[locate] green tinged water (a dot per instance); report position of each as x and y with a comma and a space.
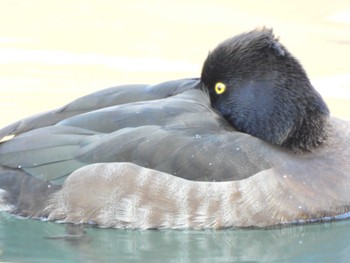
24, 240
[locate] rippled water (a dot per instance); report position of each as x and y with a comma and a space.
23, 240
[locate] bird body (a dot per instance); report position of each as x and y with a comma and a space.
250, 143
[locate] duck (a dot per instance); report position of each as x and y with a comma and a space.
250, 143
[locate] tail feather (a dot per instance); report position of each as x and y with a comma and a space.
23, 194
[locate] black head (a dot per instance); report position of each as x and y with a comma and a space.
261, 89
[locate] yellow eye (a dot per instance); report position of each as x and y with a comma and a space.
220, 88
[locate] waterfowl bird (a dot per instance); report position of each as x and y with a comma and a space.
146, 156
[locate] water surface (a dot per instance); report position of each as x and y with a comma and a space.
25, 240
